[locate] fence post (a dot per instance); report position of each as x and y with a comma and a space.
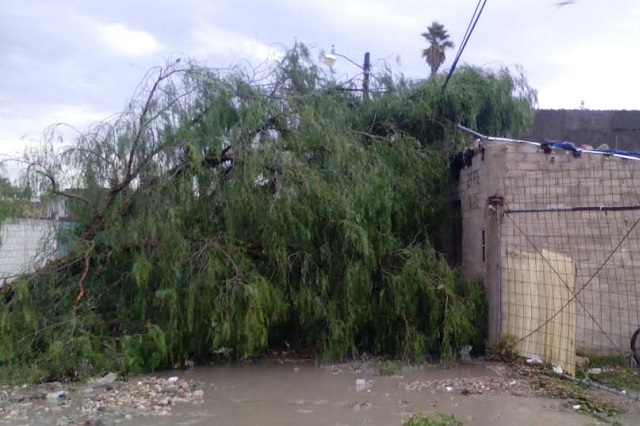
493, 269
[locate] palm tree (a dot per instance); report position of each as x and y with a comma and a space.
439, 41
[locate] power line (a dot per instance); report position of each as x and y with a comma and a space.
467, 35
472, 24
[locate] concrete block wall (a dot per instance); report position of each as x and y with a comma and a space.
24, 244
526, 178
473, 193
619, 129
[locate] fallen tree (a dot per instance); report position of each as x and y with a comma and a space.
221, 213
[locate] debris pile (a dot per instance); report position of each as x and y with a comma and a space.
100, 401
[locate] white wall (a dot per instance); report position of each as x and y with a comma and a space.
22, 244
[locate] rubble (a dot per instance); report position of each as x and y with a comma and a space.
103, 401
470, 386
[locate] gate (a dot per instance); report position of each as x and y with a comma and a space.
569, 279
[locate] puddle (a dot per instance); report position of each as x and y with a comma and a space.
299, 394
306, 395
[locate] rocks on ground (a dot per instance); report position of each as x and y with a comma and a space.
470, 386
102, 401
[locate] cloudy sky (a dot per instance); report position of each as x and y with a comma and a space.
78, 61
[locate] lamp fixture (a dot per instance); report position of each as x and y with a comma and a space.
329, 59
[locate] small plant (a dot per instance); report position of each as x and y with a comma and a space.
503, 349
614, 372
620, 378
440, 420
575, 394
608, 361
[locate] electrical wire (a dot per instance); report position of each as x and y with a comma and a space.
467, 35
470, 27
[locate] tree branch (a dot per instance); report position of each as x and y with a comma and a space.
85, 272
57, 191
216, 160
142, 123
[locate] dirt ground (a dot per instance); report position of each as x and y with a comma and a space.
304, 394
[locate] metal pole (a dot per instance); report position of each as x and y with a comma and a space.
367, 73
472, 132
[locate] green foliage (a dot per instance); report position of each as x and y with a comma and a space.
598, 360
477, 313
496, 103
220, 213
618, 377
14, 201
615, 371
439, 420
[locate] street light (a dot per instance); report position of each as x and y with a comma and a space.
330, 59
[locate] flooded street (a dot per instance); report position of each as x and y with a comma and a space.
307, 396
301, 394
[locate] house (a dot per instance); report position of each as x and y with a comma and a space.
553, 230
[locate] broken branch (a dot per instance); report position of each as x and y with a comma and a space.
57, 191
85, 273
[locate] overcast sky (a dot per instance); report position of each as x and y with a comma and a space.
78, 61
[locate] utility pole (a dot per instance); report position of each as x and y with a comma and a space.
367, 73
330, 59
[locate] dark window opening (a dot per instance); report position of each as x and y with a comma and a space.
451, 241
484, 247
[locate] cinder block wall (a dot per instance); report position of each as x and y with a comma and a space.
619, 129
527, 178
480, 250
21, 243
473, 193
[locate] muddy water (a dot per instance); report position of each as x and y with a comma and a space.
306, 395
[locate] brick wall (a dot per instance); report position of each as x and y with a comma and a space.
22, 243
526, 178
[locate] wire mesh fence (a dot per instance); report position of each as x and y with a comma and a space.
570, 260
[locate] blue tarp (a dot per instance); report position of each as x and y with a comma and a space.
563, 145
571, 147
